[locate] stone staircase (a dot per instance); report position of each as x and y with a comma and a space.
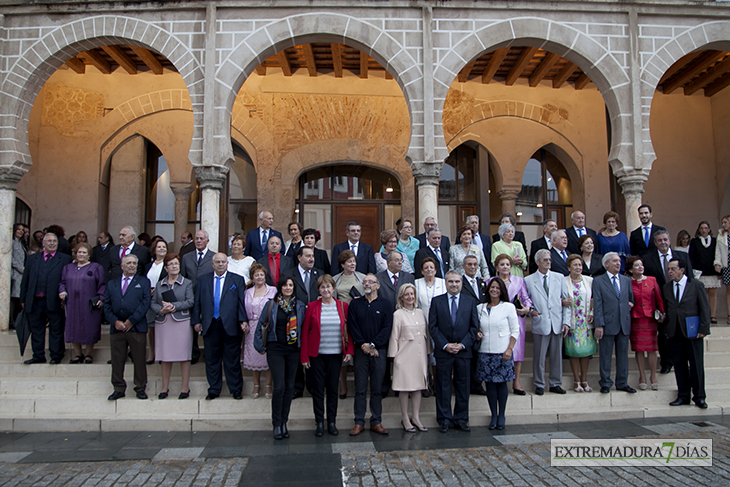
73, 397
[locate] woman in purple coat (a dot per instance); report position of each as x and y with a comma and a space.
82, 287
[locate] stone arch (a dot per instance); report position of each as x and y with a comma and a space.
42, 58
572, 44
401, 62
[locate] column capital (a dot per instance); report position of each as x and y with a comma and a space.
182, 190
10, 177
509, 192
632, 181
427, 173
211, 177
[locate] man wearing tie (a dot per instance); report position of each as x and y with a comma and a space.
126, 247
577, 231
436, 249
193, 266
126, 303
474, 286
220, 316
364, 252
305, 276
480, 241
275, 262
559, 253
101, 253
686, 301
257, 238
613, 298
428, 224
544, 242
453, 324
39, 299
642, 238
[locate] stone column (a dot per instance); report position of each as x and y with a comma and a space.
182, 192
632, 187
211, 179
508, 194
8, 183
427, 184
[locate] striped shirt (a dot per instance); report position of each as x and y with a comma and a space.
330, 341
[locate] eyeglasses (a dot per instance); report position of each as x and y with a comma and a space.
369, 282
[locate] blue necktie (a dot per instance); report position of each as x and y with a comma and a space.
453, 310
441, 262
615, 286
265, 239
217, 298
646, 236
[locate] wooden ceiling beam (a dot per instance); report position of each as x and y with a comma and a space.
337, 60
681, 63
148, 58
363, 65
520, 65
284, 62
121, 58
77, 65
261, 70
97, 61
582, 81
718, 86
702, 62
464, 73
717, 71
494, 63
388, 75
309, 59
564, 74
544, 68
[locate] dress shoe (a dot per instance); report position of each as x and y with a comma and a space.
141, 395
500, 423
357, 429
194, 360
35, 361
332, 429
700, 403
605, 390
519, 392
444, 427
627, 388
299, 394
163, 395
278, 435
679, 402
115, 395
211, 396
284, 430
184, 395
493, 423
539, 391
319, 430
343, 396
557, 390
54, 361
378, 428
237, 396
463, 427
666, 369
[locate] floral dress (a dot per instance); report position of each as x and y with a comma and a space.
580, 341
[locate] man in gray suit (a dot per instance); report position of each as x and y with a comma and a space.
550, 322
195, 264
392, 278
613, 299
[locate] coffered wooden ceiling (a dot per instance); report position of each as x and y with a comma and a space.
133, 59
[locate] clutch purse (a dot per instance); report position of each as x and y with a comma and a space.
516, 301
354, 293
169, 296
94, 303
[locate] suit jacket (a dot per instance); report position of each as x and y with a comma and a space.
694, 302
426, 251
636, 240
444, 241
443, 331
30, 285
536, 245
188, 247
132, 306
190, 269
468, 290
365, 258
300, 291
653, 265
285, 267
253, 242
596, 268
553, 315
115, 263
102, 256
387, 290
612, 312
184, 299
232, 308
148, 266
321, 261
519, 236
558, 264
573, 238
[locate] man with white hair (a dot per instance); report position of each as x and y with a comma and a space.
198, 262
481, 241
428, 224
559, 253
126, 247
576, 231
258, 238
544, 242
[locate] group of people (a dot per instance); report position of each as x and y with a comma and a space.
415, 316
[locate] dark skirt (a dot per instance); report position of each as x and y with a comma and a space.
491, 368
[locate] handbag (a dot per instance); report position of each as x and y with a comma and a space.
516, 301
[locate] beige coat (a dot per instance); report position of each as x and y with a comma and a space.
409, 346
721, 250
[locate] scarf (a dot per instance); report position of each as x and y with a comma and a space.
289, 307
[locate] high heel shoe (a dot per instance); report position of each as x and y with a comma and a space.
255, 393
412, 429
284, 430
163, 395
500, 423
586, 387
493, 423
268, 394
654, 386
420, 428
278, 435
577, 387
642, 386
184, 395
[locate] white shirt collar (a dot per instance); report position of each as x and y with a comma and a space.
390, 274
646, 226
669, 254
223, 276
433, 249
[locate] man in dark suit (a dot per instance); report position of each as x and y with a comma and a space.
126, 246
476, 287
505, 218
392, 278
453, 324
684, 299
364, 252
197, 263
576, 231
428, 224
219, 315
656, 265
544, 242
559, 253
39, 299
101, 253
642, 238
186, 243
305, 276
481, 241
613, 298
436, 249
125, 308
275, 262
257, 238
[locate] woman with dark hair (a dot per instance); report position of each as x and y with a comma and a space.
310, 237
81, 237
683, 241
155, 272
389, 240
292, 245
144, 239
498, 333
610, 239
458, 252
255, 298
702, 256
592, 263
83, 286
174, 338
237, 262
282, 316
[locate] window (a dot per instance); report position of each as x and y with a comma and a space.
458, 197
546, 191
242, 193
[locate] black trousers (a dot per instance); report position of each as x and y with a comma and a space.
221, 347
689, 366
665, 354
461, 368
373, 369
37, 319
136, 342
324, 373
283, 361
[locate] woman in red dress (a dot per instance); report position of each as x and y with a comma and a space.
647, 300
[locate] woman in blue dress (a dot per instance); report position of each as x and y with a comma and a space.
610, 239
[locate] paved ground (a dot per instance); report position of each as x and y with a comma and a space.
517, 456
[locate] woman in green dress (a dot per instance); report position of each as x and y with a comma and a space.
509, 246
580, 343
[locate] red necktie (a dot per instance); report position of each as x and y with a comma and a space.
395, 281
274, 267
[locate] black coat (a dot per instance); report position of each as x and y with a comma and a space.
365, 258
115, 263
536, 245
31, 284
636, 240
573, 238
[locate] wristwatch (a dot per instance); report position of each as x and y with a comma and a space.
372, 345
